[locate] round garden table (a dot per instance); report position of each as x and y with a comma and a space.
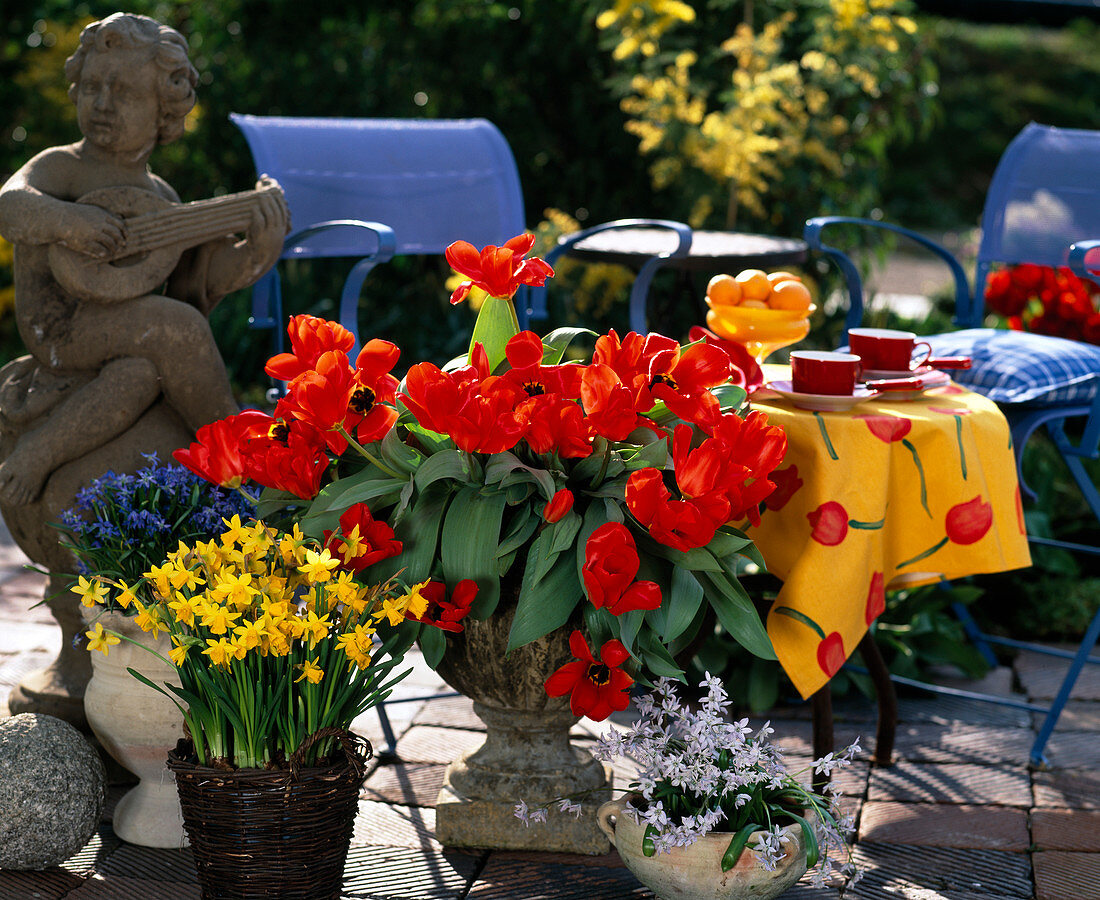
884, 495
713, 251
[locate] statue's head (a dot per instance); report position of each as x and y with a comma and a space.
167, 49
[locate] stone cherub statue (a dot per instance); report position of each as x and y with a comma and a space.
114, 279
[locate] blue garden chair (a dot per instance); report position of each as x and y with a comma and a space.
1043, 207
373, 189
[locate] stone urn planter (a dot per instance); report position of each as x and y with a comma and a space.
527, 754
695, 872
138, 727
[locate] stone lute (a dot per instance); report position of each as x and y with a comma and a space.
158, 231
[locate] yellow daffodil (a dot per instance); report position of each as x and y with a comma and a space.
160, 577
249, 634
318, 565
392, 609
125, 596
351, 546
234, 590
234, 532
184, 608
220, 651
101, 640
416, 604
147, 619
343, 589
91, 592
357, 644
218, 619
178, 654
292, 546
315, 627
310, 671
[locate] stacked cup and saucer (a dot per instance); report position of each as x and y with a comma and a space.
892, 361
880, 365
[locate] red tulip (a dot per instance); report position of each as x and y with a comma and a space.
445, 614
610, 566
830, 654
596, 689
310, 336
829, 523
499, 271
216, 452
968, 522
362, 540
558, 505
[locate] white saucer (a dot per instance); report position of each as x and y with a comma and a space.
822, 402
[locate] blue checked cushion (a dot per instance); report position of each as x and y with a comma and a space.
1019, 367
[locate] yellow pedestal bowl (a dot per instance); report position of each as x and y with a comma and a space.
760, 331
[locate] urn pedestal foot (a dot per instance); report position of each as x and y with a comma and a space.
527, 755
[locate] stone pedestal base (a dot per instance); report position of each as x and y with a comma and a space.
481, 824
527, 755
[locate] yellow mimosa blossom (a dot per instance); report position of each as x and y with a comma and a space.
218, 618
310, 671
318, 566
101, 640
90, 591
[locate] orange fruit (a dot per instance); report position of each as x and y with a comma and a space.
754, 284
723, 290
753, 304
790, 295
775, 277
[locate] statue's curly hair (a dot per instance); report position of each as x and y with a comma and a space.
167, 48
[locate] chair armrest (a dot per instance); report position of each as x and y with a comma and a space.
1077, 254
380, 247
640, 290
965, 306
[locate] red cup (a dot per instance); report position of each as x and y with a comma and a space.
824, 372
886, 350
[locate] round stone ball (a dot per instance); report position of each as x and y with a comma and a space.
53, 787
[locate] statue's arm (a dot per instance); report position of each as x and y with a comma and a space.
233, 266
32, 210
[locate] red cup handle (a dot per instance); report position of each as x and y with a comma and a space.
927, 355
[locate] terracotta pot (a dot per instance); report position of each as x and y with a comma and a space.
527, 754
138, 727
695, 872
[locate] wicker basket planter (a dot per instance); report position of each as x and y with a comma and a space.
280, 834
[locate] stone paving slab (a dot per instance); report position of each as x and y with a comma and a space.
431, 744
1063, 829
945, 825
1041, 675
389, 825
1072, 790
1067, 876
410, 784
964, 743
898, 870
402, 873
950, 783
118, 887
1078, 715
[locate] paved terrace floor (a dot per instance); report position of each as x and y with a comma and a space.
958, 817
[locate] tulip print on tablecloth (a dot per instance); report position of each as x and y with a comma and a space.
889, 494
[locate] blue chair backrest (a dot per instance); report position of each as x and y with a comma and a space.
433, 181
1044, 196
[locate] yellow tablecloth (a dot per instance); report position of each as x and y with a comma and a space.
884, 495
